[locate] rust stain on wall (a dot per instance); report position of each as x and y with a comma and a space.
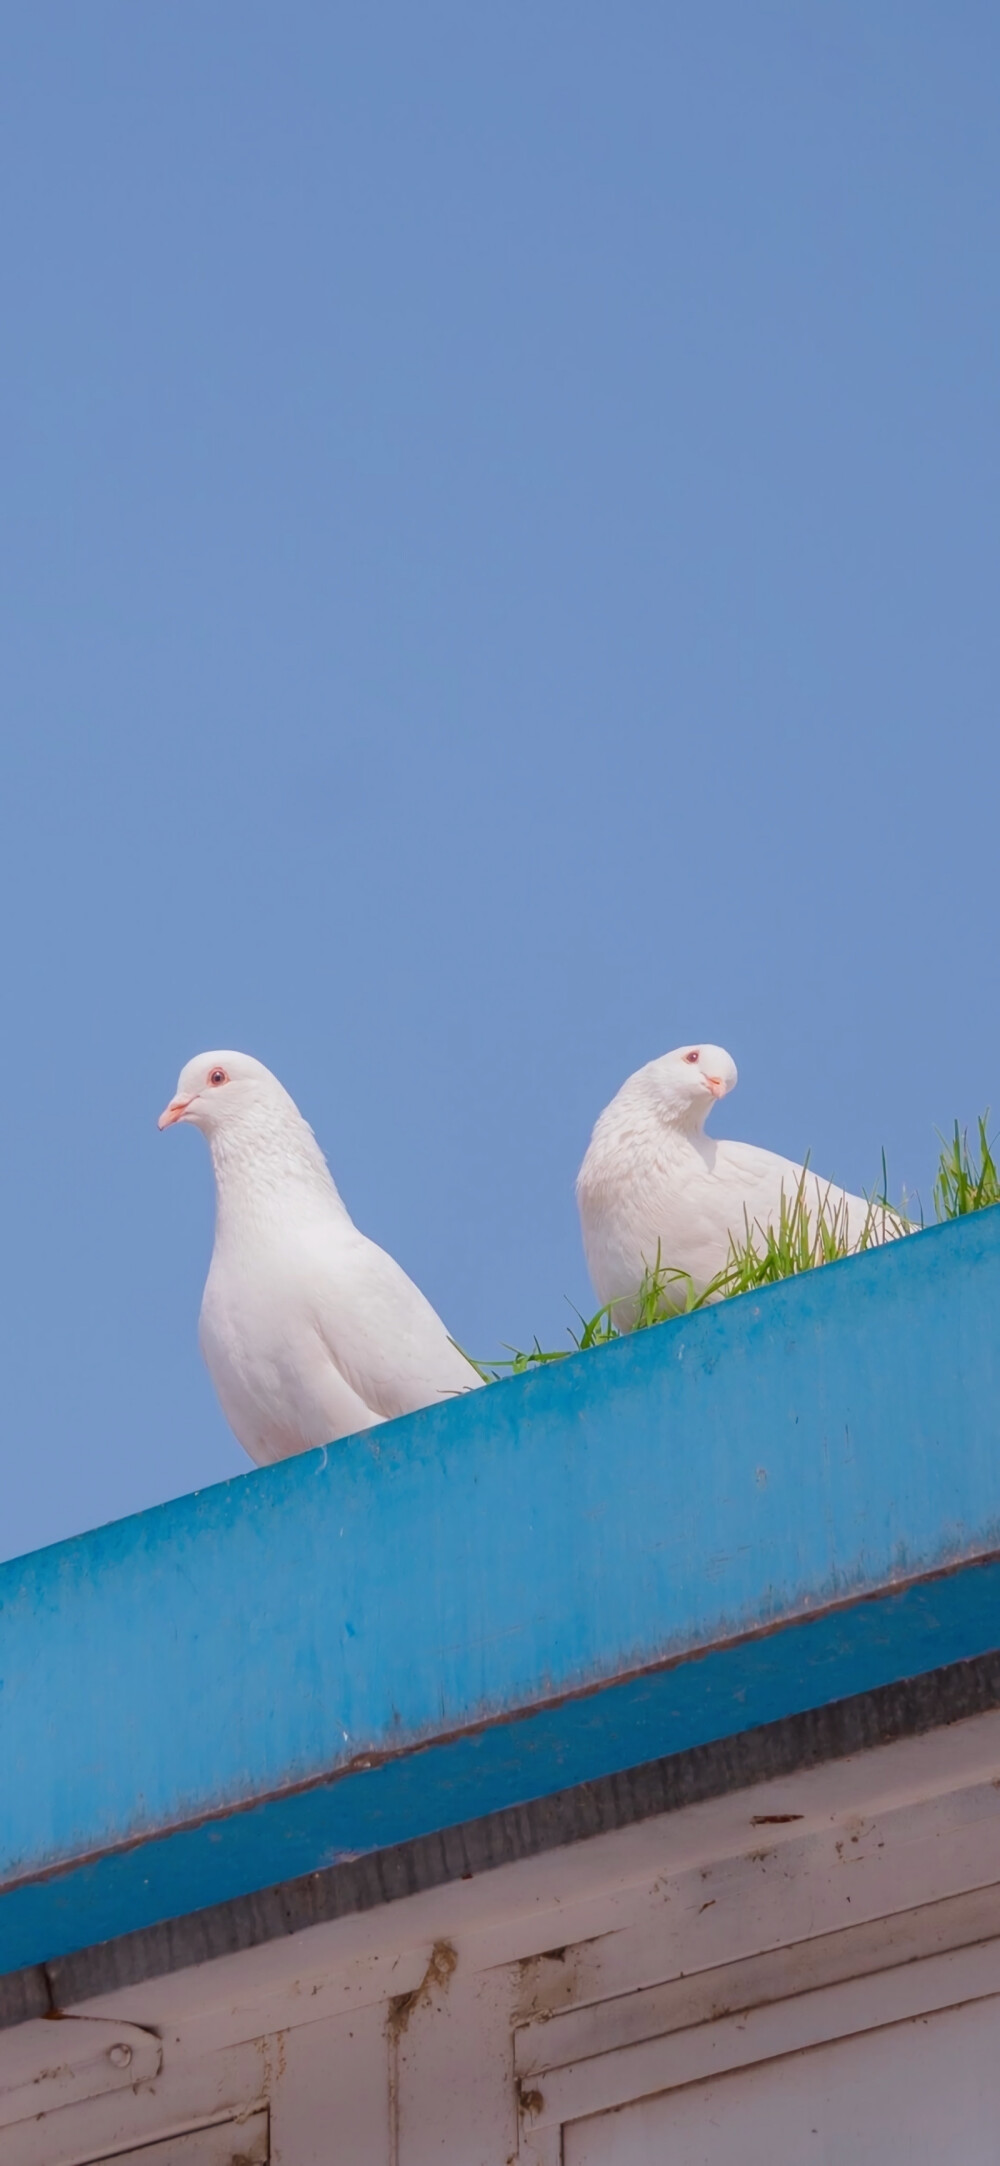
443, 1960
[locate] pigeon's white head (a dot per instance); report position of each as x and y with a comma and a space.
254, 1130
687, 1082
219, 1091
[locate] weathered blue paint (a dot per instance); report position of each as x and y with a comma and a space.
748, 1465
708, 1696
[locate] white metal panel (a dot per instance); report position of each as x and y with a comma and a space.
923, 2093
784, 1887
881, 1944
768, 2032
229, 2143
57, 2062
452, 2070
189, 2094
330, 2093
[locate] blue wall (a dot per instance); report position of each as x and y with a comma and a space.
472, 1562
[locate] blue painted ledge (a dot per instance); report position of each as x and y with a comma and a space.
685, 1535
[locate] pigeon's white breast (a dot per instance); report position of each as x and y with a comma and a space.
668, 1210
279, 1388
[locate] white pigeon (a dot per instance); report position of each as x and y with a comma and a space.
654, 1190
310, 1331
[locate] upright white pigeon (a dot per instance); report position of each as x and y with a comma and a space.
653, 1189
310, 1331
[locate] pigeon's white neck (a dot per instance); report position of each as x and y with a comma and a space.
265, 1159
645, 1096
638, 1131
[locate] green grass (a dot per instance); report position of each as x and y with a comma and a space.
964, 1181
806, 1236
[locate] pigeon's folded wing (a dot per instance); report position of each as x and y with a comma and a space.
765, 1180
755, 1171
385, 1337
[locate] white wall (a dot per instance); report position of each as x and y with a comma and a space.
715, 1988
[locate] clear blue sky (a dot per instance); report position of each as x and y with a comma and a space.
499, 577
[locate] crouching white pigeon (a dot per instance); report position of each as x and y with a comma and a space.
310, 1331
655, 1192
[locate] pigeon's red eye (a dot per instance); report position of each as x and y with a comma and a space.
692, 1057
218, 1075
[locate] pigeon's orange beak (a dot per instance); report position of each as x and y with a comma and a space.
175, 1111
715, 1083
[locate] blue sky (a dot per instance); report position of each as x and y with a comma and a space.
499, 571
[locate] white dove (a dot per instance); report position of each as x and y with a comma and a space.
309, 1330
653, 1189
